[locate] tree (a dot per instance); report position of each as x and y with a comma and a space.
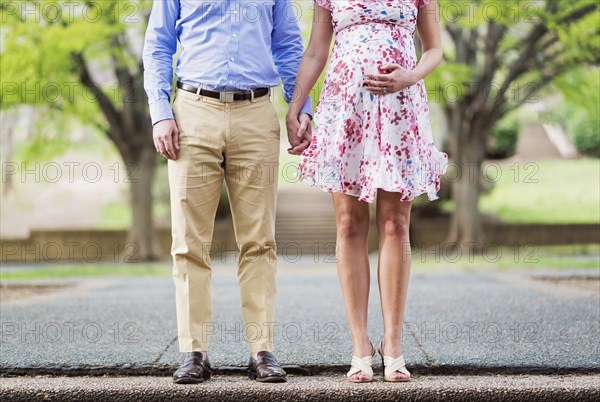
83, 60
500, 54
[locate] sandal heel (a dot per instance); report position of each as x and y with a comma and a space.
364, 364
398, 365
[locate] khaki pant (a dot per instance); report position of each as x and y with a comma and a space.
237, 142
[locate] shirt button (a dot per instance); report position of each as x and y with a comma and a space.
235, 35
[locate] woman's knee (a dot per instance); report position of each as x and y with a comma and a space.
393, 225
351, 226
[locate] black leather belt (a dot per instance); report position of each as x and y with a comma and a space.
225, 97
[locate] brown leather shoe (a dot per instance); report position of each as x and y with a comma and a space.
265, 368
195, 369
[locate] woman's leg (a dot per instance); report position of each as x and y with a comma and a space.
393, 218
352, 223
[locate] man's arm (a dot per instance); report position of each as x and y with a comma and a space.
287, 49
159, 47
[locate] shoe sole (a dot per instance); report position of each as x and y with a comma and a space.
188, 380
390, 380
192, 380
252, 376
272, 379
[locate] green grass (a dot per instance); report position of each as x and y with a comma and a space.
115, 215
506, 258
550, 191
584, 256
85, 270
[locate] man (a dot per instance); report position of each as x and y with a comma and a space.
222, 125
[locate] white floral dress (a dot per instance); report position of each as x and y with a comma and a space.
361, 141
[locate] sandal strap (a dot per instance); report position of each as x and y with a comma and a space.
361, 364
392, 365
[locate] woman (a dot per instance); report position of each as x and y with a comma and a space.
372, 140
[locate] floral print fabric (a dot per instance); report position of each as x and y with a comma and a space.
361, 141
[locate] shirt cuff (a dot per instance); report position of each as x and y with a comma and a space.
160, 110
307, 107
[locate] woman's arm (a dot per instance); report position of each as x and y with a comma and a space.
312, 65
398, 77
428, 26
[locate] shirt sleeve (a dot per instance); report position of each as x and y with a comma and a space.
159, 47
287, 49
326, 4
423, 3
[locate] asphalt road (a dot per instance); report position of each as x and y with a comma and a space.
456, 322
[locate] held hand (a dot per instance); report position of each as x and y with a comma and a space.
305, 130
166, 138
299, 133
393, 78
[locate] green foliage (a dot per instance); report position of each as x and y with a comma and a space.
503, 140
579, 40
46, 141
39, 69
580, 90
444, 84
585, 132
569, 38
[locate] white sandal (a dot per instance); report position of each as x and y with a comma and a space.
363, 364
391, 365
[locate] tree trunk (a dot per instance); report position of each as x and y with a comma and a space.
467, 146
466, 225
8, 122
142, 245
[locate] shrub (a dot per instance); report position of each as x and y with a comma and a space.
503, 140
585, 133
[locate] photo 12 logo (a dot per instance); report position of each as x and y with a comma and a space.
54, 12
68, 332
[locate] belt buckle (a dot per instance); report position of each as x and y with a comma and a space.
226, 97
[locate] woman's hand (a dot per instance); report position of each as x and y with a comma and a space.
394, 78
299, 133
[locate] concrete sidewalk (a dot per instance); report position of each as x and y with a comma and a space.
580, 388
456, 322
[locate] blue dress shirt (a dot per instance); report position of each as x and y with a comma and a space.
226, 45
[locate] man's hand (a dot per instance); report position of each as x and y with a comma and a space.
166, 138
299, 133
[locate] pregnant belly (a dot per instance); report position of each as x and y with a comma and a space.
364, 47
361, 49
